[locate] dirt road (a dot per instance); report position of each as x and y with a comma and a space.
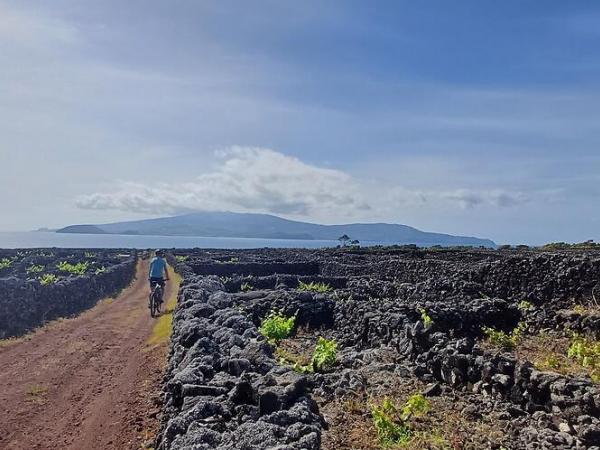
90, 382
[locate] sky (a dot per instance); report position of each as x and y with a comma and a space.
470, 117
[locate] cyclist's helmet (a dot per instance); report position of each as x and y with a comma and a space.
159, 252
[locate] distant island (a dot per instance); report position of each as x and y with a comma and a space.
246, 225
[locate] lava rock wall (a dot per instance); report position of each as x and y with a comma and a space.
26, 304
224, 390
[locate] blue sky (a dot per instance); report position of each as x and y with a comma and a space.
467, 117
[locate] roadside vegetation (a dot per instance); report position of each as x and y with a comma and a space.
314, 287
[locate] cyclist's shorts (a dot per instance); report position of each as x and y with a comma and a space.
155, 280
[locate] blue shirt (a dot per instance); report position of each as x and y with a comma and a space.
157, 267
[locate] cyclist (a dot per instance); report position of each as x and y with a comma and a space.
158, 271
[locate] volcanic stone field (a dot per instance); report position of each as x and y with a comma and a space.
40, 285
457, 349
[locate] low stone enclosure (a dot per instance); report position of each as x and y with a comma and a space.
37, 286
457, 349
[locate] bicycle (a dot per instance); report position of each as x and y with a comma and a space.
156, 299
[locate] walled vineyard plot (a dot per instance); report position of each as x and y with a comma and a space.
40, 285
468, 349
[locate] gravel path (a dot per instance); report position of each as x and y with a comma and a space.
89, 382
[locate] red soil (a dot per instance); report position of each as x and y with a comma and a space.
90, 382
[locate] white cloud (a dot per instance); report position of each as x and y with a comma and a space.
262, 180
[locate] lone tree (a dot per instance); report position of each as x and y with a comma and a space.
344, 240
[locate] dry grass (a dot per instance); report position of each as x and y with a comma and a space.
443, 428
36, 394
550, 352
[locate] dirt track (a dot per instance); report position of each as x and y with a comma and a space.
90, 382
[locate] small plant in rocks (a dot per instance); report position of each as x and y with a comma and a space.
99, 270
314, 287
524, 305
390, 432
34, 269
181, 258
393, 424
276, 326
246, 287
506, 341
48, 278
587, 352
426, 318
325, 355
75, 269
5, 263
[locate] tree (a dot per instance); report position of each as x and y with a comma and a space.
344, 240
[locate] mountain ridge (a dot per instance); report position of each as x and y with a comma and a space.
250, 225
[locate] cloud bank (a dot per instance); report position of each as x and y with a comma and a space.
263, 180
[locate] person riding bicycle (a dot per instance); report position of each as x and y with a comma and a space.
158, 270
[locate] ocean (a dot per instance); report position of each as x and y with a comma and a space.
66, 240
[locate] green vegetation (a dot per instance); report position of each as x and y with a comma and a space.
89, 255
314, 287
34, 269
426, 318
181, 258
389, 431
416, 406
325, 355
506, 341
393, 427
75, 269
246, 287
233, 260
5, 263
587, 352
48, 278
276, 326
99, 270
524, 305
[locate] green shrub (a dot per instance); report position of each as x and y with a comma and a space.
389, 431
5, 263
504, 340
246, 287
325, 355
48, 278
34, 269
99, 270
314, 287
181, 258
524, 305
416, 406
75, 269
276, 326
89, 255
426, 318
586, 351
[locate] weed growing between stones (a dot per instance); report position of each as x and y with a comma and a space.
506, 341
5, 263
100, 270
276, 327
524, 305
587, 352
181, 258
34, 268
393, 426
246, 287
48, 278
325, 355
314, 287
426, 318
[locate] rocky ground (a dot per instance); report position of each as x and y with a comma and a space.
409, 324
